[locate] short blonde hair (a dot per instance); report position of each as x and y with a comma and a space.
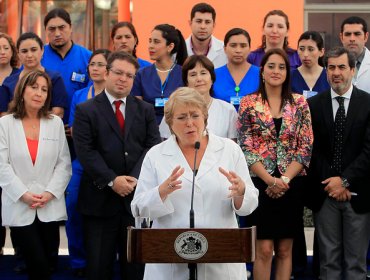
188, 97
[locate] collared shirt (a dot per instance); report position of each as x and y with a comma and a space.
55, 50
347, 98
111, 99
192, 46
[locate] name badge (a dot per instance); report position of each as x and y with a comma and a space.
309, 93
235, 100
160, 102
77, 77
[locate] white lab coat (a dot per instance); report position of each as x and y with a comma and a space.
216, 53
51, 172
213, 209
362, 80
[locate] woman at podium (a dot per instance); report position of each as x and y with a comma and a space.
222, 183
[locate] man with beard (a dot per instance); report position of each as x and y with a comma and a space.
354, 36
62, 55
339, 175
201, 42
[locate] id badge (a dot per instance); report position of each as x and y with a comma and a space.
159, 102
235, 100
77, 77
309, 93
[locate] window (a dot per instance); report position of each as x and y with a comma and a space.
326, 16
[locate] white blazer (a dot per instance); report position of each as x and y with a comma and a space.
51, 172
216, 53
212, 207
362, 80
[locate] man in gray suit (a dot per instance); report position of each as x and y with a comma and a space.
339, 170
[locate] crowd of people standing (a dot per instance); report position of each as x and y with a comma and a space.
95, 138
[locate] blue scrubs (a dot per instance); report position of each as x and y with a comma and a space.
224, 86
255, 57
143, 63
77, 254
59, 93
298, 83
73, 68
148, 85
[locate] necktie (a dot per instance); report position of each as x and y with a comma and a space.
339, 125
119, 115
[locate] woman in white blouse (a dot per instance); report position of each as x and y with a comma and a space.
223, 186
35, 168
198, 73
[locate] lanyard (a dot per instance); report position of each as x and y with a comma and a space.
237, 89
91, 92
165, 82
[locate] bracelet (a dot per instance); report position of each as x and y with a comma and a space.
274, 184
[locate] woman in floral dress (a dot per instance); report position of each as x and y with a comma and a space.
275, 134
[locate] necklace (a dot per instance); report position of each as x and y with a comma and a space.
33, 126
164, 71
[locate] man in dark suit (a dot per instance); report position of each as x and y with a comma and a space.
340, 170
112, 133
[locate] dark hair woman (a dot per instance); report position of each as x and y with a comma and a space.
275, 133
310, 78
154, 84
198, 73
124, 38
30, 49
238, 77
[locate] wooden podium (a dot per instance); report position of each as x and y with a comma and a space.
158, 245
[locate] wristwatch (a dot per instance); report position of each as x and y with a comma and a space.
345, 183
285, 179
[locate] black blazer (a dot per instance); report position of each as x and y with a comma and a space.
105, 153
356, 150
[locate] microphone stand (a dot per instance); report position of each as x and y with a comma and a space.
193, 266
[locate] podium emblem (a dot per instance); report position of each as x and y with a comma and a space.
191, 245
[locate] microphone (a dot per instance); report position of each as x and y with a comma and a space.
191, 214
193, 266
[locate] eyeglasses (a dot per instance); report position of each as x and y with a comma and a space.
185, 118
97, 64
120, 73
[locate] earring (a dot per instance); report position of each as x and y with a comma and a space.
263, 78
